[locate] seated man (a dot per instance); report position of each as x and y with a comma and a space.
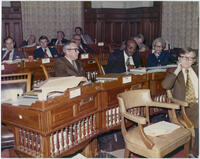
10, 53
60, 40
183, 81
85, 38
69, 65
83, 48
159, 57
140, 42
44, 51
30, 42
122, 61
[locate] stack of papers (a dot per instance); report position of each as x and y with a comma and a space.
160, 128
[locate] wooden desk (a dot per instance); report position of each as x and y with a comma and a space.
62, 126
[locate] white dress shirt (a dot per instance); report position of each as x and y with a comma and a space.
48, 52
125, 59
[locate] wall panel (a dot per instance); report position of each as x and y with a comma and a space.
116, 25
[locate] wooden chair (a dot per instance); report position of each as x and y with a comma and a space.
183, 118
136, 140
48, 70
92, 64
28, 51
144, 56
7, 79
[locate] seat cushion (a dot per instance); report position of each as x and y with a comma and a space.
164, 144
7, 138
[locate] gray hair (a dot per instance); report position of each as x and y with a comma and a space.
161, 40
67, 46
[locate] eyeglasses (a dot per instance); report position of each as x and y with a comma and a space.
157, 46
75, 49
188, 58
77, 39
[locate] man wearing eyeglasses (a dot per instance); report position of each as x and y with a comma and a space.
159, 57
69, 65
178, 79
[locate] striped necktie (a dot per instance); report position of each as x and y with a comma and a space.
7, 56
45, 53
189, 89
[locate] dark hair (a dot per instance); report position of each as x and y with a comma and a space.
9, 37
78, 28
184, 51
61, 33
44, 37
130, 39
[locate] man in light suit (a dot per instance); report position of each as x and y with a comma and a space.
85, 38
44, 51
117, 61
69, 65
175, 80
10, 53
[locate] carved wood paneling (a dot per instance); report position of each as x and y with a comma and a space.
12, 22
115, 25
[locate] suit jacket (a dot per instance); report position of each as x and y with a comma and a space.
16, 55
64, 68
163, 59
86, 49
116, 62
39, 53
177, 85
53, 42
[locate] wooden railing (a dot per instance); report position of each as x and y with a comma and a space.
62, 125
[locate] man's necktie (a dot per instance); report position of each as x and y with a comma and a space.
45, 53
7, 56
74, 64
189, 89
128, 64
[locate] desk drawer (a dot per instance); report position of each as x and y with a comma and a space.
22, 117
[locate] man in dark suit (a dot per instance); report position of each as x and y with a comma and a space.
177, 79
10, 53
69, 65
60, 40
44, 51
83, 48
119, 61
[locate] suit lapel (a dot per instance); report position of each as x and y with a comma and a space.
70, 66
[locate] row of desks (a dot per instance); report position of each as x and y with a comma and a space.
62, 125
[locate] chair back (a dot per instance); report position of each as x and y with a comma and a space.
135, 98
48, 69
7, 79
28, 51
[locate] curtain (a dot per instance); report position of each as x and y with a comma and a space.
48, 17
180, 26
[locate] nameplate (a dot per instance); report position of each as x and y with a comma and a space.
100, 43
46, 60
126, 79
84, 56
2, 67
74, 93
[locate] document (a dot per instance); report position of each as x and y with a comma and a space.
160, 128
58, 84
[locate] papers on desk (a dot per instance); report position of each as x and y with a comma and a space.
106, 79
21, 101
58, 85
160, 128
163, 67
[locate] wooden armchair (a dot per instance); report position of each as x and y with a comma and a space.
28, 51
184, 120
136, 140
48, 70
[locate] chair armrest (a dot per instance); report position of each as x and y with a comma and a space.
179, 102
164, 105
135, 118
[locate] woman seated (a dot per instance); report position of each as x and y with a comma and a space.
158, 57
